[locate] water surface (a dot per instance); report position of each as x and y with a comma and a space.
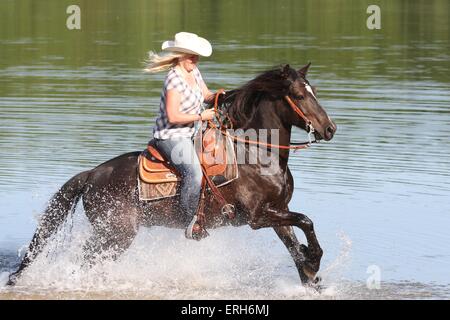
378, 193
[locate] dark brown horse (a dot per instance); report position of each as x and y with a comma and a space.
112, 205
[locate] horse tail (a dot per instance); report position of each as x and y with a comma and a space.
62, 204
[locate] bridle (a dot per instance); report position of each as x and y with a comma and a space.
302, 115
292, 145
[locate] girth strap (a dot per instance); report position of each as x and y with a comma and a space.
218, 196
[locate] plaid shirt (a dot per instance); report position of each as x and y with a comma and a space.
191, 102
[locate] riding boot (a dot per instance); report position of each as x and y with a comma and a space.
195, 230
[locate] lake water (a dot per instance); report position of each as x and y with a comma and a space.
378, 193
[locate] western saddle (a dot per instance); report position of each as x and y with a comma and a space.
155, 171
153, 168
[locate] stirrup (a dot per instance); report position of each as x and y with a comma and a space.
195, 231
228, 210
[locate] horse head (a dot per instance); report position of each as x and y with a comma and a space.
310, 115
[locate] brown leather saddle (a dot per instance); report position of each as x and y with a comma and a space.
153, 168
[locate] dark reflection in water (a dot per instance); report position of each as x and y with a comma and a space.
71, 100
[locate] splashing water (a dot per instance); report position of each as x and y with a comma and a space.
335, 269
233, 263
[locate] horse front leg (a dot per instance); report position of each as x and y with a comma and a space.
307, 259
287, 236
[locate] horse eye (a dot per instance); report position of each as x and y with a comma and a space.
301, 97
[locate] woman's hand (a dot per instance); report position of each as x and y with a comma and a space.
210, 96
208, 114
221, 91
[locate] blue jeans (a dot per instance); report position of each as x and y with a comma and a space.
181, 154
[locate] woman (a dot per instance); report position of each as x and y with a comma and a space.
182, 96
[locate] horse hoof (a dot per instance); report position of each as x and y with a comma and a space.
11, 281
310, 274
314, 284
13, 277
317, 288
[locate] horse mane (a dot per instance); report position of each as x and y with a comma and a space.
241, 104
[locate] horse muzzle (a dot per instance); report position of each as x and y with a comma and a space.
330, 131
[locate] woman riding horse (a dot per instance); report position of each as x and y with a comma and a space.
278, 99
181, 99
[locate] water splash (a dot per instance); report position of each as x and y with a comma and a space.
235, 263
342, 261
4, 276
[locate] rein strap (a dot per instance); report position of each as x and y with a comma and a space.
295, 146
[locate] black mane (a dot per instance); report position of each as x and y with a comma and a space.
240, 104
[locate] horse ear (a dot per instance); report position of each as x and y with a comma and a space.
285, 71
304, 70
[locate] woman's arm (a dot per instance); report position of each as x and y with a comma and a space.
207, 95
210, 96
173, 113
177, 117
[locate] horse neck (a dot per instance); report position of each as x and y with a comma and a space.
268, 115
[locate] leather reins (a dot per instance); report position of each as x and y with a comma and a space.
295, 145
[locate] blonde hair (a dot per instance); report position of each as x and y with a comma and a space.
162, 61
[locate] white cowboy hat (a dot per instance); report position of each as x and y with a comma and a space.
189, 43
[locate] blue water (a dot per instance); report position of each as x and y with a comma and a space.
378, 193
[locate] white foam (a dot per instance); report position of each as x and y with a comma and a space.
233, 263
4, 277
